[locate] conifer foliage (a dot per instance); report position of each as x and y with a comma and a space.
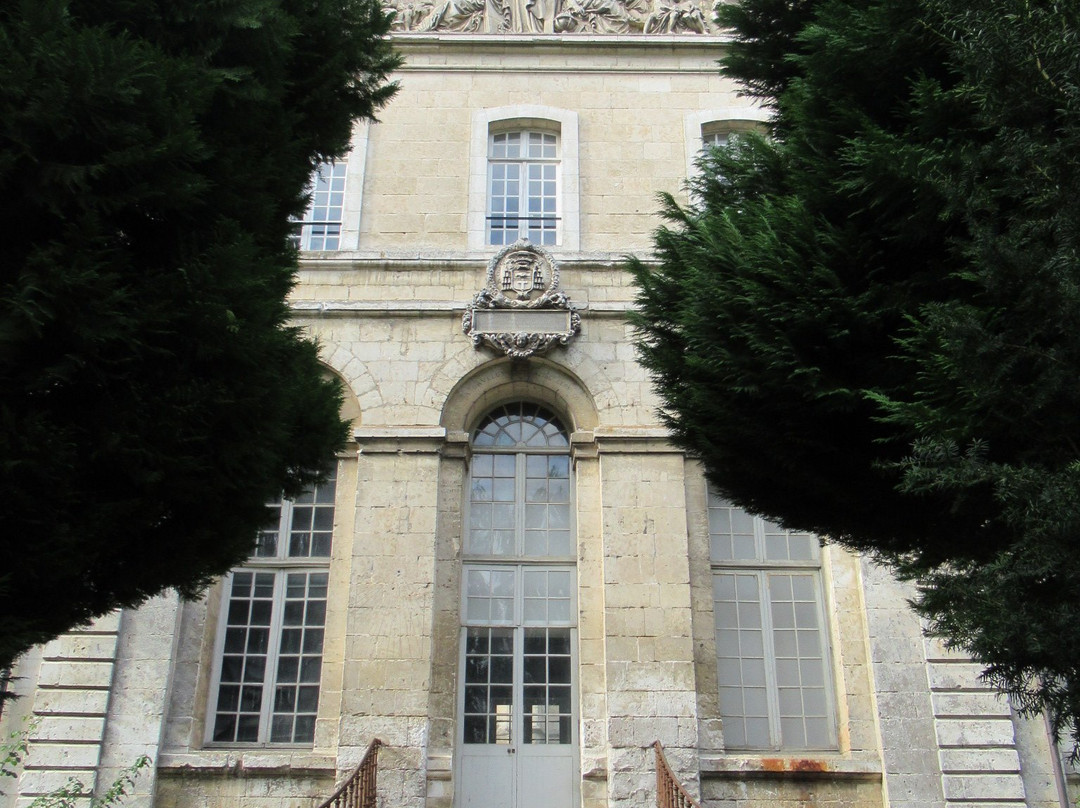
865, 321
152, 394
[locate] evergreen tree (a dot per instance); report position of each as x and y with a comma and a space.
153, 395
864, 323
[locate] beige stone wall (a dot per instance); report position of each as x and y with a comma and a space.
387, 313
233, 789
631, 96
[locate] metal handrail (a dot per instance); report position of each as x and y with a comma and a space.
358, 789
669, 791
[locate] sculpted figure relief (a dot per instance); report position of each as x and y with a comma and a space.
409, 15
676, 17
552, 16
601, 16
456, 15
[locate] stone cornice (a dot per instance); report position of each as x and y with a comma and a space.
399, 440
634, 440
421, 308
408, 39
428, 260
431, 439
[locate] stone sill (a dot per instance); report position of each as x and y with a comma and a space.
806, 767
250, 762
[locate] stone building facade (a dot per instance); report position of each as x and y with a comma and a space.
513, 579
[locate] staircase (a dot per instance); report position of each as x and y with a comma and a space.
669, 791
358, 789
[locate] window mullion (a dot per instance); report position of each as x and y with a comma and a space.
284, 527
523, 200
272, 650
519, 504
771, 688
518, 714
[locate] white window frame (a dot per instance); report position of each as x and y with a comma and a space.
318, 222
728, 119
517, 564
280, 565
354, 163
762, 569
526, 164
535, 117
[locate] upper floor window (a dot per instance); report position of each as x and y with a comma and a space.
718, 138
523, 193
523, 177
718, 127
772, 648
268, 661
321, 226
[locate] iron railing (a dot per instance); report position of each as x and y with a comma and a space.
358, 789
669, 791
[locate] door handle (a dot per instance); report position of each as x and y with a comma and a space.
511, 751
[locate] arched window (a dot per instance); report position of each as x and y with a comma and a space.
519, 502
718, 127
517, 725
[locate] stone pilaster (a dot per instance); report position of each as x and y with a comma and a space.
647, 613
386, 681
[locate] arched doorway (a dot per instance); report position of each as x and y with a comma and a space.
517, 695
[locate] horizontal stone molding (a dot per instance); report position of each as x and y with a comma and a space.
418, 308
426, 261
398, 440
634, 440
590, 42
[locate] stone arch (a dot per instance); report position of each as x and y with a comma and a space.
350, 406
504, 380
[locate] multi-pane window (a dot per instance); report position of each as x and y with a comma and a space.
772, 649
715, 138
518, 640
270, 640
519, 501
523, 187
321, 227
518, 591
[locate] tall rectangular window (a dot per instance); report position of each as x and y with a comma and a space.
321, 226
772, 648
270, 638
523, 180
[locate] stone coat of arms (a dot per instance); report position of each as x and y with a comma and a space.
521, 311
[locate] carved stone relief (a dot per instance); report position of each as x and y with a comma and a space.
554, 16
521, 311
